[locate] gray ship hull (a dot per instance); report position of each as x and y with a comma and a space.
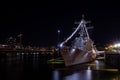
77, 57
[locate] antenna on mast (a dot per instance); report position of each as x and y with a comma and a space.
83, 16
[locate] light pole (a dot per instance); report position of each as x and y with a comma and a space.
58, 41
58, 36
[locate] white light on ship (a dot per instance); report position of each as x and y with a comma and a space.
73, 50
61, 45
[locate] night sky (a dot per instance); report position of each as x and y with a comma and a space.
39, 21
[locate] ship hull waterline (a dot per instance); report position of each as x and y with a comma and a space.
77, 57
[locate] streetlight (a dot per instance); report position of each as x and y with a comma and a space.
58, 36
58, 41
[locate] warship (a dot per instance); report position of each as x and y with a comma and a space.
82, 48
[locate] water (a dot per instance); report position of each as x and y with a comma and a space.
20, 66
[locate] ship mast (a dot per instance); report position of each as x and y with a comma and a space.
81, 29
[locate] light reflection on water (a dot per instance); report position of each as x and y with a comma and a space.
96, 70
56, 75
34, 66
75, 76
86, 75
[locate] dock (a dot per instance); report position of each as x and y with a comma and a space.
112, 59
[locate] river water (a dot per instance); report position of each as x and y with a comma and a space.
35, 66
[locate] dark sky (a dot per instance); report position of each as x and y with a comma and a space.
39, 21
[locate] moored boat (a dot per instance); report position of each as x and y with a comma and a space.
82, 48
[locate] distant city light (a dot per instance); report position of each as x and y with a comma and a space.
117, 45
114, 47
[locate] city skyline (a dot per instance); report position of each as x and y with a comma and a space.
39, 23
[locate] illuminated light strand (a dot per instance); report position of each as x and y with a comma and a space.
71, 34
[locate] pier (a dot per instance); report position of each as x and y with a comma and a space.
112, 59
27, 51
